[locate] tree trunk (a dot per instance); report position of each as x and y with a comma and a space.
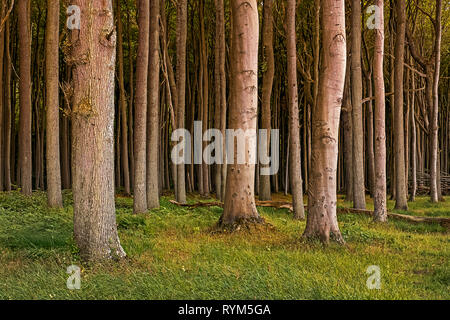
269, 63
219, 93
413, 149
294, 125
380, 191
130, 102
153, 109
7, 113
205, 92
348, 136
54, 196
399, 140
122, 105
434, 125
95, 227
239, 196
181, 89
359, 197
322, 219
2, 47
140, 115
25, 160
370, 138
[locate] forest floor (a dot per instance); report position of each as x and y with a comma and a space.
172, 254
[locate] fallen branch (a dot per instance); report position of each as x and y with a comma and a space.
198, 204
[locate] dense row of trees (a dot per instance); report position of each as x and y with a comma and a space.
92, 108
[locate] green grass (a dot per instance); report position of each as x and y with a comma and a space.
173, 255
422, 206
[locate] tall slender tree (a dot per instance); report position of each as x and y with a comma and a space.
54, 196
359, 197
181, 36
2, 54
153, 109
95, 227
399, 137
220, 93
322, 218
434, 125
122, 104
7, 107
25, 161
295, 167
140, 104
380, 191
269, 63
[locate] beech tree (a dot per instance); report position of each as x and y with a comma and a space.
380, 203
239, 205
399, 138
294, 125
2, 52
181, 35
269, 63
25, 161
220, 117
140, 114
359, 194
93, 53
153, 109
322, 200
123, 104
52, 84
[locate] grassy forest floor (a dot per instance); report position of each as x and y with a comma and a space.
172, 254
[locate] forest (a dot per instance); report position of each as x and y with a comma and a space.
224, 149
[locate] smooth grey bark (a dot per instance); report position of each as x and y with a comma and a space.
359, 194
399, 139
380, 190
294, 124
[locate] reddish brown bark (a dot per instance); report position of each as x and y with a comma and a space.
269, 63
95, 228
25, 160
181, 35
54, 196
140, 114
122, 105
359, 195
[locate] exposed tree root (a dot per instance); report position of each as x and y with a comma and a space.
242, 224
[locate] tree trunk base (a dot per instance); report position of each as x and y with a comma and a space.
310, 236
242, 224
